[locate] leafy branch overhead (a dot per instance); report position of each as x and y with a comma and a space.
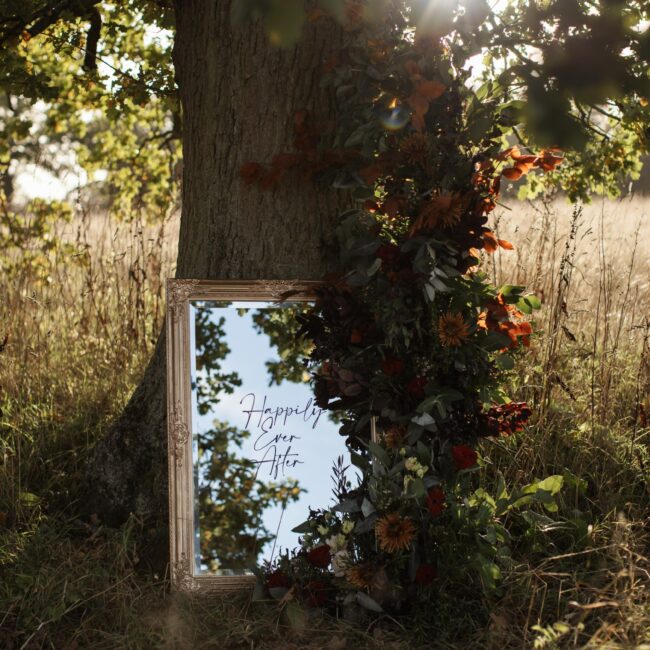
567, 74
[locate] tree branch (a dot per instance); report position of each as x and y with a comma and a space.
90, 58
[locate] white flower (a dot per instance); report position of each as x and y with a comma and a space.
407, 480
340, 562
412, 465
336, 543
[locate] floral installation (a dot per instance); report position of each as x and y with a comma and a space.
410, 339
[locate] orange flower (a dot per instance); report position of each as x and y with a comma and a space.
440, 211
394, 436
360, 575
394, 532
452, 329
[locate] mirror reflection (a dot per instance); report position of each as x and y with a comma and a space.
262, 449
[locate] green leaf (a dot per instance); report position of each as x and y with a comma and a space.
379, 453
369, 603
524, 307
367, 508
302, 528
511, 291
505, 362
29, 499
296, 616
359, 461
533, 301
552, 484
348, 506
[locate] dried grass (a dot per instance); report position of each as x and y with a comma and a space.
81, 329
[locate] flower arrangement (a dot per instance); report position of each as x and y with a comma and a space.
409, 338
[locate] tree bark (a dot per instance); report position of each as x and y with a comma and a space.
238, 97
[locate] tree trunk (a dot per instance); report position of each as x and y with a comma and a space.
238, 97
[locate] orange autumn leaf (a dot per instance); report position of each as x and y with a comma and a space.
299, 120
490, 242
413, 70
284, 161
512, 173
424, 92
504, 243
524, 167
417, 121
525, 160
371, 173
250, 172
508, 153
315, 13
419, 103
431, 89
549, 160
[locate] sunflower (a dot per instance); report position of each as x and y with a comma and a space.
394, 436
360, 575
452, 329
394, 532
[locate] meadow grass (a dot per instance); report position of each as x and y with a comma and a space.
81, 321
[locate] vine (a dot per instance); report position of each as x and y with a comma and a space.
412, 344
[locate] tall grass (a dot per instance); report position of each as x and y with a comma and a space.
81, 324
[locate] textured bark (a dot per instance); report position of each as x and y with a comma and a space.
238, 96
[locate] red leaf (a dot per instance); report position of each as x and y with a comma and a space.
490, 242
371, 173
419, 103
250, 172
417, 121
512, 173
431, 89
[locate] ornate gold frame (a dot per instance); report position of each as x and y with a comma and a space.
179, 425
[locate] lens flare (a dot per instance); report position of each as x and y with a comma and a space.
396, 118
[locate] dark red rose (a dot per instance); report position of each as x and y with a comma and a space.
388, 253
391, 366
278, 579
464, 456
316, 593
319, 556
426, 574
416, 386
436, 500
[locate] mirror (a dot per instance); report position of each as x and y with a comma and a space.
251, 449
